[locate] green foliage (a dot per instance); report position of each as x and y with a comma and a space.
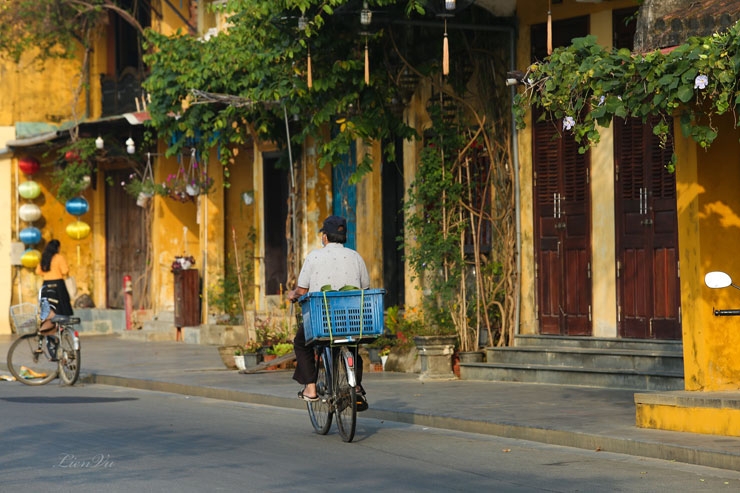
591, 85
48, 28
407, 323
223, 295
280, 349
434, 222
254, 73
73, 169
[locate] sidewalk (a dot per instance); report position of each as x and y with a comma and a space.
582, 417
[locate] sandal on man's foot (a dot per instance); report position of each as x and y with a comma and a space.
361, 403
307, 398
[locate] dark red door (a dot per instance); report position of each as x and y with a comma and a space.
128, 249
562, 232
647, 234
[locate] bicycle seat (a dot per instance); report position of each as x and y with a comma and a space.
65, 320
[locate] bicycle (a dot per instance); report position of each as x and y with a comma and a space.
37, 359
336, 323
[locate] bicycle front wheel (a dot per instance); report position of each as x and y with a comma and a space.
69, 358
320, 411
29, 360
345, 398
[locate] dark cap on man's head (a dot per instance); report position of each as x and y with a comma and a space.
334, 225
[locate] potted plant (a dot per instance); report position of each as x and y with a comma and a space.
142, 186
384, 353
248, 355
239, 358
433, 341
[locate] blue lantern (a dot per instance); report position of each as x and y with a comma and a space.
77, 206
30, 236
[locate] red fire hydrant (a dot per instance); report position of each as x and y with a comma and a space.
128, 298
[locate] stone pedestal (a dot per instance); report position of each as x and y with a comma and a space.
435, 353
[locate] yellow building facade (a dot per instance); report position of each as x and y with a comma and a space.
708, 224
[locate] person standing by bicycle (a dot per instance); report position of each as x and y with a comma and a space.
54, 270
331, 267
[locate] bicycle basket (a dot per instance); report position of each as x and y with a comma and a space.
24, 317
345, 314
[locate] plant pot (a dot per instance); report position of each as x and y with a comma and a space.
383, 360
373, 354
436, 356
227, 356
252, 359
143, 199
239, 361
270, 357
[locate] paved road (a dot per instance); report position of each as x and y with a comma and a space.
105, 438
583, 417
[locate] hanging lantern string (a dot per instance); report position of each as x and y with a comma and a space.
445, 53
549, 27
367, 64
309, 75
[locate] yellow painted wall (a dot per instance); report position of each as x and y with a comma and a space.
6, 226
707, 420
709, 230
369, 216
603, 239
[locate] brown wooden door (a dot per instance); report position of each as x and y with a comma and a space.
647, 234
562, 229
127, 243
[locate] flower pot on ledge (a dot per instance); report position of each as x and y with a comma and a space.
435, 353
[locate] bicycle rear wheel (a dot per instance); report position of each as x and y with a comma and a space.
345, 403
320, 411
69, 358
29, 360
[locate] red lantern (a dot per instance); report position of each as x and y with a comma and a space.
72, 156
29, 165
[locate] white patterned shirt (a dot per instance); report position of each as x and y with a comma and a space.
333, 265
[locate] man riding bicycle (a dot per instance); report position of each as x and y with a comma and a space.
331, 267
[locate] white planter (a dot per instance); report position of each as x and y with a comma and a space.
239, 360
383, 359
143, 199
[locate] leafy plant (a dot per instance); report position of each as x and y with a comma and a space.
405, 324
73, 169
234, 86
585, 85
224, 296
137, 185
280, 349
252, 347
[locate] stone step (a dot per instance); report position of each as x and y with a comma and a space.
94, 321
618, 359
549, 341
152, 331
590, 377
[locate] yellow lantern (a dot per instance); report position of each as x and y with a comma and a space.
78, 230
31, 258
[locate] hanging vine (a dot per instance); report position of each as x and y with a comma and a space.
585, 85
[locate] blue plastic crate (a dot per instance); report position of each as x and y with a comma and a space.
350, 314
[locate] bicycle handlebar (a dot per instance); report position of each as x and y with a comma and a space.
727, 313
